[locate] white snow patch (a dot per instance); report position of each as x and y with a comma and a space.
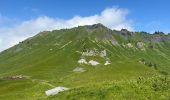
107, 63
93, 63
82, 61
55, 91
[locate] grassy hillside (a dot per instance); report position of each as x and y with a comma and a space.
139, 65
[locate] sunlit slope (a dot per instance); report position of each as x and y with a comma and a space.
48, 60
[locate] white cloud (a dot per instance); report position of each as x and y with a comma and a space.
114, 18
0, 41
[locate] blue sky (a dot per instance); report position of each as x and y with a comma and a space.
146, 14
20, 19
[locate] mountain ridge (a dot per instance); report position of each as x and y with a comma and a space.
92, 60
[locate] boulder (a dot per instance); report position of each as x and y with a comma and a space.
103, 53
93, 63
82, 61
55, 91
129, 45
107, 63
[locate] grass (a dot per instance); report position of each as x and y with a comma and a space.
48, 64
156, 87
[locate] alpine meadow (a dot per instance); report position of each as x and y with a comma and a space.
92, 61
84, 50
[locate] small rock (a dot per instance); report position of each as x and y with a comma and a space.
79, 69
107, 63
55, 91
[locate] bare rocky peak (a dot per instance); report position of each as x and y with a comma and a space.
125, 32
95, 26
159, 39
92, 28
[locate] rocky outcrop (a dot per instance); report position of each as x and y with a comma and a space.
125, 32
140, 45
103, 53
89, 53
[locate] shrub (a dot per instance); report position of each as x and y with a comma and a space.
160, 83
155, 66
163, 72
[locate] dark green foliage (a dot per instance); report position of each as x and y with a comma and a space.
143, 60
159, 33
149, 64
155, 66
163, 72
160, 84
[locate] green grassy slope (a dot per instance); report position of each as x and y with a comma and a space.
49, 58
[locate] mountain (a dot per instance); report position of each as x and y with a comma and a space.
93, 61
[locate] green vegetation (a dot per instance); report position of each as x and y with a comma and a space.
139, 69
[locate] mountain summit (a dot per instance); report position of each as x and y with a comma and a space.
93, 61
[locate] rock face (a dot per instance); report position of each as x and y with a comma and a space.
55, 91
159, 38
92, 28
89, 53
125, 32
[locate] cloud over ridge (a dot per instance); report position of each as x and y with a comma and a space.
114, 18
